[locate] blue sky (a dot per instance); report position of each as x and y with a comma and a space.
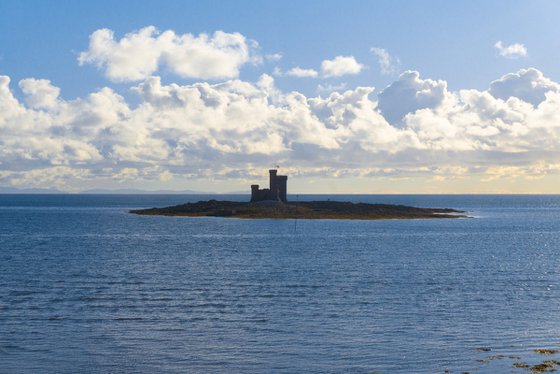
453, 47
442, 39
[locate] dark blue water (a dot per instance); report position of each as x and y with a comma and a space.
87, 287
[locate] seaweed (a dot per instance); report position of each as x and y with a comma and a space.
545, 351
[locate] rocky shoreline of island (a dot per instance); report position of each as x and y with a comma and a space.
300, 210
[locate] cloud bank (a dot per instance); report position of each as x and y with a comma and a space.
232, 129
237, 128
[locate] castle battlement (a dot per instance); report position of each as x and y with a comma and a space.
277, 190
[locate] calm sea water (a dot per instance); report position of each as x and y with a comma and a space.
87, 287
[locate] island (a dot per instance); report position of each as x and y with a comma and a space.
272, 203
299, 210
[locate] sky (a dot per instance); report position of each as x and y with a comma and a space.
345, 96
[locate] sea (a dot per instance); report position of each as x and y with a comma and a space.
87, 287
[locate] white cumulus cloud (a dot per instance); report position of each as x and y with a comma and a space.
341, 65
512, 51
387, 63
410, 93
273, 57
302, 73
529, 85
39, 93
140, 54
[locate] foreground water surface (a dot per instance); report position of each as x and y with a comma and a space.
87, 287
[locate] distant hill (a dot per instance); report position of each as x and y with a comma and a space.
14, 190
135, 191
106, 191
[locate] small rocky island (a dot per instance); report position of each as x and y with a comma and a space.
272, 203
303, 210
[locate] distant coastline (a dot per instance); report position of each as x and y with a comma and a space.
122, 191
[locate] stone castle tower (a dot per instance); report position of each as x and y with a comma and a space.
277, 190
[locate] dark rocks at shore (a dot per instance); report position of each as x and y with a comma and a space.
546, 366
300, 210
